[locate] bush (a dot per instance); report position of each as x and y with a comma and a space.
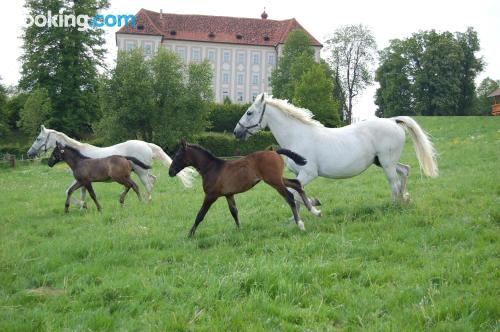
225, 145
224, 117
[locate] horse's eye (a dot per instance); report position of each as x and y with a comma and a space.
249, 113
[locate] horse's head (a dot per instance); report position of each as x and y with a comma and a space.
43, 142
181, 160
57, 155
253, 120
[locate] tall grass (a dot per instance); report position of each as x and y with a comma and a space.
365, 265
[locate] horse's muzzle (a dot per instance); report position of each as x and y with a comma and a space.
172, 172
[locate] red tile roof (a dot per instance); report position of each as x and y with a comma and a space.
216, 29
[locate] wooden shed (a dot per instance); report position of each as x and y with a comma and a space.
495, 106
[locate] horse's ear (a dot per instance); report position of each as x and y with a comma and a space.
42, 128
183, 143
262, 97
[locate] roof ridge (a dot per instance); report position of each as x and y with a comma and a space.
221, 16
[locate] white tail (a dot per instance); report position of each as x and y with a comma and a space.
186, 175
426, 154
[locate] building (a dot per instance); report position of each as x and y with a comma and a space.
242, 51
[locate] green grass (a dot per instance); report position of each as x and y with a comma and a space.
365, 265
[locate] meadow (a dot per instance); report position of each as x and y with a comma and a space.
366, 264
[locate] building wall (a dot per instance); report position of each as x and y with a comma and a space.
241, 72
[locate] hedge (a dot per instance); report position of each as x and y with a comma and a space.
224, 117
225, 145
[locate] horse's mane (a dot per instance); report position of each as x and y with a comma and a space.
68, 140
206, 151
302, 114
76, 151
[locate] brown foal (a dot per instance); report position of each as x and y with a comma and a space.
87, 170
227, 178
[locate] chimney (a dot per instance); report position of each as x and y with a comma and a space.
264, 14
161, 14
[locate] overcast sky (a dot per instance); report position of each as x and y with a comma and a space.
388, 19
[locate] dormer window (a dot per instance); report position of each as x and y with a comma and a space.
266, 38
239, 36
173, 32
211, 34
140, 27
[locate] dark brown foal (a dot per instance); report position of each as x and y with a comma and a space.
87, 170
227, 178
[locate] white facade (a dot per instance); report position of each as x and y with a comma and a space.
241, 72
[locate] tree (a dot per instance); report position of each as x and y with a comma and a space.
314, 91
429, 73
160, 100
297, 57
351, 53
3, 111
300, 79
36, 111
127, 100
64, 61
483, 103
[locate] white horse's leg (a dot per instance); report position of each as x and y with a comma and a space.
394, 181
403, 172
143, 175
83, 204
304, 178
152, 178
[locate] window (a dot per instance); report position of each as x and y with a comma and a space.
271, 59
269, 82
256, 58
211, 55
241, 58
148, 49
195, 55
130, 46
240, 78
239, 97
255, 78
225, 78
225, 94
181, 53
226, 57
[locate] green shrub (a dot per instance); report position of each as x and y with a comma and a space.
224, 117
225, 145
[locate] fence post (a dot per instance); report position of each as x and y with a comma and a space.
12, 160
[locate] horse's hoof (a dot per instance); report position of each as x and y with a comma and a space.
300, 223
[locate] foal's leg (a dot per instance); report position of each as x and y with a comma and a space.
92, 194
304, 177
124, 193
128, 183
296, 186
403, 172
280, 187
70, 190
207, 203
232, 207
75, 201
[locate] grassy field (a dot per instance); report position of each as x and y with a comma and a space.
365, 265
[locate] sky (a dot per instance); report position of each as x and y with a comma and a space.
388, 19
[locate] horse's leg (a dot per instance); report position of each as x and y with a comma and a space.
403, 172
288, 196
143, 175
304, 178
70, 190
83, 204
92, 194
124, 193
232, 207
152, 178
75, 201
135, 187
393, 179
296, 186
207, 203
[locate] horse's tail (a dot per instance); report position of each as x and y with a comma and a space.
137, 162
426, 154
298, 159
186, 175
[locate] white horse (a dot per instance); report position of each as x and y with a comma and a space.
340, 152
143, 151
